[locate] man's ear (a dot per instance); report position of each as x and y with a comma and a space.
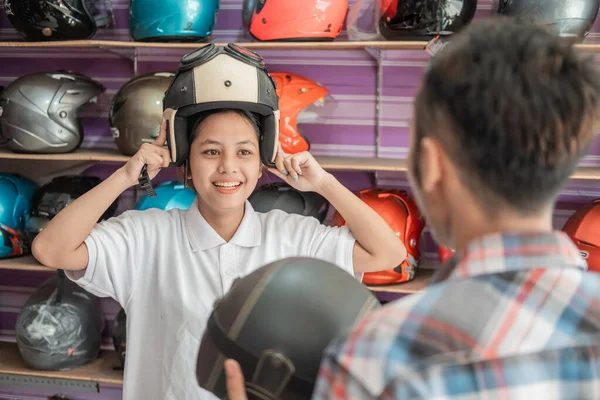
431, 163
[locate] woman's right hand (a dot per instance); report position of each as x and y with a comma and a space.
154, 155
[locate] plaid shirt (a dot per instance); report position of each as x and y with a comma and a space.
517, 316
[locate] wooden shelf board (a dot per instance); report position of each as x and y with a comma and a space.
331, 163
421, 281
28, 263
328, 162
79, 155
334, 45
24, 263
103, 370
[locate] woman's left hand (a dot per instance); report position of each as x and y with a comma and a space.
300, 170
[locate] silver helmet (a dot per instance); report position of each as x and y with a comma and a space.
39, 111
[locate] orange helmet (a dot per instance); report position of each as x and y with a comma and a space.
400, 211
294, 19
444, 253
295, 93
583, 227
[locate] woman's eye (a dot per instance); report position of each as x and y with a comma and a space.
245, 152
211, 152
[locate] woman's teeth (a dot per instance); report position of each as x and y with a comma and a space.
227, 184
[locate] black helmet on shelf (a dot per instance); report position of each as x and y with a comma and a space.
52, 197
572, 19
424, 19
60, 326
284, 197
53, 20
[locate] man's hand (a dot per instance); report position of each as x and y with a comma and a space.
236, 389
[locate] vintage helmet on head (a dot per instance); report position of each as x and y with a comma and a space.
136, 111
295, 94
276, 322
182, 22
170, 194
583, 227
53, 197
16, 194
298, 20
53, 20
400, 211
212, 78
423, 20
571, 19
39, 112
282, 196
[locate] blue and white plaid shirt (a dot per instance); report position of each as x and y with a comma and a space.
517, 316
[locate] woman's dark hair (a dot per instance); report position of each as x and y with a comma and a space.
249, 116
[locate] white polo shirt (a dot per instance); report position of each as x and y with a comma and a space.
168, 268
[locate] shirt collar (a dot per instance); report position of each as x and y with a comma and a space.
504, 252
202, 236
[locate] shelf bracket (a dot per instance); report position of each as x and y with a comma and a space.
377, 55
135, 61
120, 52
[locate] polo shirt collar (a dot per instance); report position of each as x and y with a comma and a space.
202, 236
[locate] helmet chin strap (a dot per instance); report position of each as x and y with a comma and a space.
185, 174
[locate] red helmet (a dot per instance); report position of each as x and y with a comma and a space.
445, 253
294, 19
400, 211
583, 227
295, 94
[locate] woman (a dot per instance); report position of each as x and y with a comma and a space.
167, 268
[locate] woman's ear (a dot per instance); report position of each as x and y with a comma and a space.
260, 170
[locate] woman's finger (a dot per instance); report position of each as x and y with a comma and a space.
279, 163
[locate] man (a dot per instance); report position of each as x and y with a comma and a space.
501, 120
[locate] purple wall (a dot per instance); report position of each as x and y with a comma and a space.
348, 129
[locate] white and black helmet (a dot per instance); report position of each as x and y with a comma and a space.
39, 111
212, 78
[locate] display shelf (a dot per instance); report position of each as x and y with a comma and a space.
333, 45
421, 281
28, 263
79, 155
331, 163
24, 263
105, 369
327, 162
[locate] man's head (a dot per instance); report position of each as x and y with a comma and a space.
502, 117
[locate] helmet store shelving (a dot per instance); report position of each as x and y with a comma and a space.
334, 45
114, 49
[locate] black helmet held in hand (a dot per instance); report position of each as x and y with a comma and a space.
276, 322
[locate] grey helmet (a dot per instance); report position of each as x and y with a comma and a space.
39, 112
136, 110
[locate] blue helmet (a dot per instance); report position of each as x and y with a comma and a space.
171, 194
16, 193
185, 20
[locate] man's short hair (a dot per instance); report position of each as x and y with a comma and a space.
514, 106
